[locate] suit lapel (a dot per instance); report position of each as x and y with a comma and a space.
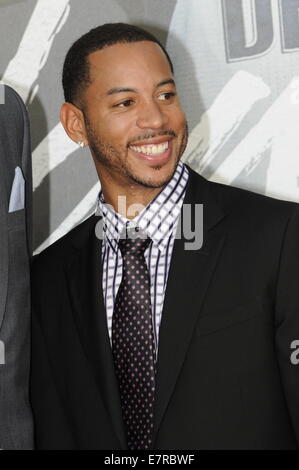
188, 280
85, 278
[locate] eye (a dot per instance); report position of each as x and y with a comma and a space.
124, 104
167, 95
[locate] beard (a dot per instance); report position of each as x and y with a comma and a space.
111, 158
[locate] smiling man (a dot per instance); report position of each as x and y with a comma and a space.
138, 341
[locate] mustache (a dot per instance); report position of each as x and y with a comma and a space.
151, 135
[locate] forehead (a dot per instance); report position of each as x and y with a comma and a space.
126, 63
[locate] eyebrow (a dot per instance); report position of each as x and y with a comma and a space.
112, 91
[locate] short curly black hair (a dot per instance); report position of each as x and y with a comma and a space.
75, 76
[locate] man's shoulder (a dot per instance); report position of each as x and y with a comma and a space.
256, 204
234, 199
56, 255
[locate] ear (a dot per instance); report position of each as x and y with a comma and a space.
72, 120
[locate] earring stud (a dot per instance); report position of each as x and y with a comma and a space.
80, 143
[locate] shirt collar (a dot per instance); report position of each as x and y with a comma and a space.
157, 219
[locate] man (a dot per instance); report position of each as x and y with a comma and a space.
140, 340
15, 250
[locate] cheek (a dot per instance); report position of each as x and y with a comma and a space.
180, 121
177, 115
119, 130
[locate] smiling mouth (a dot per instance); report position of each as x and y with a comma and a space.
153, 153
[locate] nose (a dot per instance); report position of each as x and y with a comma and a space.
151, 116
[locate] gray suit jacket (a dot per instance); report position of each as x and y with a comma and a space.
16, 429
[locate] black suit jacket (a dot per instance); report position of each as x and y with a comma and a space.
231, 311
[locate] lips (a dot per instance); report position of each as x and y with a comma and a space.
153, 141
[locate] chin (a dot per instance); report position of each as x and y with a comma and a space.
157, 177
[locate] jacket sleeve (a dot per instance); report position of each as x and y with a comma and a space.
287, 318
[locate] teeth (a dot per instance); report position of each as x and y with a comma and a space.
151, 149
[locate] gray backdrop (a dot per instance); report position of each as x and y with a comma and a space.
236, 67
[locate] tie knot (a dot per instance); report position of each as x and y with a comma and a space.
136, 241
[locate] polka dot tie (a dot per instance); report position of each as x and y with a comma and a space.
133, 344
